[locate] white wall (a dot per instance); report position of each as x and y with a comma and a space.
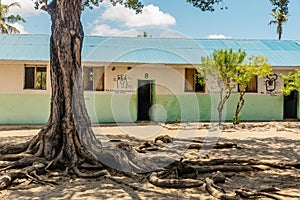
12, 77
167, 79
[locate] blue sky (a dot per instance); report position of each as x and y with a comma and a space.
244, 19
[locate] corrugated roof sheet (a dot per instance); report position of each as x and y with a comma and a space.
150, 50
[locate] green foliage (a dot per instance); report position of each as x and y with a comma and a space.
291, 82
281, 5
6, 20
132, 4
222, 64
205, 5
256, 66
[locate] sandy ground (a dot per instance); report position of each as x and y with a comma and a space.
269, 141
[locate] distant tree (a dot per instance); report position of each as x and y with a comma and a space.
144, 35
291, 82
280, 13
223, 65
280, 19
7, 20
257, 66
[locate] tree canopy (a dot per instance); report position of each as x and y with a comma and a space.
204, 5
281, 5
291, 82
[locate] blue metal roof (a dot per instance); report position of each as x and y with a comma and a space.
150, 50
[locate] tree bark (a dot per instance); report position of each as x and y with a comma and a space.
222, 102
239, 107
62, 138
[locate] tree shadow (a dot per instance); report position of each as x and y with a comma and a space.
264, 149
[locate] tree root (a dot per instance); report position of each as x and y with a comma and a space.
217, 191
27, 172
80, 174
8, 148
149, 146
14, 157
24, 163
223, 168
218, 145
249, 162
244, 193
174, 183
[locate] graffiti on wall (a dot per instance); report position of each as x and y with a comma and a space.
123, 84
271, 82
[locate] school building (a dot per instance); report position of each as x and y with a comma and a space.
143, 79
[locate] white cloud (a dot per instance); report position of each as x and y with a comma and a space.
171, 34
150, 16
218, 36
27, 8
106, 30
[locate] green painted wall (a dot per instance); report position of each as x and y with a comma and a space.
34, 108
24, 108
112, 108
257, 108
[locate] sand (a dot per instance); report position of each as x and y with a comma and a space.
267, 141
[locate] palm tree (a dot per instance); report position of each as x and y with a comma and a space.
280, 18
6, 19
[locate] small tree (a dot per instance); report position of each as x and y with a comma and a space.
279, 18
291, 82
280, 13
223, 64
257, 66
6, 19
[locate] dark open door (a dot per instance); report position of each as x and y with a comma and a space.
290, 105
144, 99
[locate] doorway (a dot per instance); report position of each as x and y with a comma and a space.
290, 105
145, 99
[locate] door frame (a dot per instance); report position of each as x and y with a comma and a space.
296, 96
152, 96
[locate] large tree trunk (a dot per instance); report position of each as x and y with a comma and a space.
69, 122
68, 139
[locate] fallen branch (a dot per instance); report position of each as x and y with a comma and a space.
247, 194
174, 183
222, 168
217, 191
248, 162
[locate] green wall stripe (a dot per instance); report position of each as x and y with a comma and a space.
34, 108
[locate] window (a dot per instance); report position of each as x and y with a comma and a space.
252, 85
35, 77
193, 81
93, 78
